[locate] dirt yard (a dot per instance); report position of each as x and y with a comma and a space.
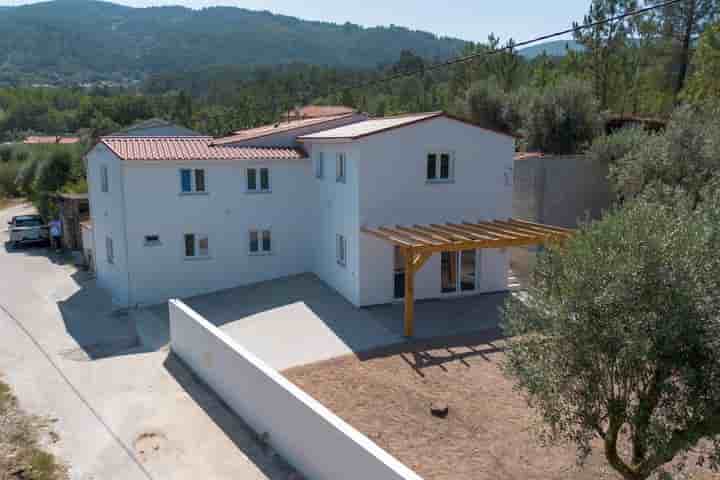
22, 453
486, 435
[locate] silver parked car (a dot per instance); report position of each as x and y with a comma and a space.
27, 229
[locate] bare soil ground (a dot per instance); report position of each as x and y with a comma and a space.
22, 453
487, 433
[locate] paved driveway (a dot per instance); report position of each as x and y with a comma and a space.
122, 408
299, 320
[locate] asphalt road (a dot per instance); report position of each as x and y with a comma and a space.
123, 409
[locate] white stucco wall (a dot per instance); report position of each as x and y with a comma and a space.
107, 212
309, 436
393, 190
336, 212
226, 214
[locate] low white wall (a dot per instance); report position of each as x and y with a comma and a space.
308, 435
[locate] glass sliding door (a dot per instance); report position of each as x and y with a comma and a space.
448, 272
399, 273
467, 270
458, 271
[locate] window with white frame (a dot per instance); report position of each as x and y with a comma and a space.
440, 167
260, 242
196, 245
258, 180
340, 168
319, 165
109, 251
104, 180
341, 253
192, 180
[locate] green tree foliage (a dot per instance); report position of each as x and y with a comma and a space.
684, 158
564, 119
486, 104
616, 341
605, 41
680, 25
704, 84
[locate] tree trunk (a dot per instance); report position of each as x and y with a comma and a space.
685, 47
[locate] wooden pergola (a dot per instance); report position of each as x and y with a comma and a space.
419, 242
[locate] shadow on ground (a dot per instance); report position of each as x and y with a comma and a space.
261, 454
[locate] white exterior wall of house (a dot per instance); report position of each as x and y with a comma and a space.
394, 190
108, 217
336, 213
226, 214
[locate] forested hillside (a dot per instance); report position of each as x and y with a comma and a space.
66, 41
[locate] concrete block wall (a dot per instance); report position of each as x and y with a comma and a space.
309, 436
560, 189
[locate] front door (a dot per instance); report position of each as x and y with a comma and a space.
458, 271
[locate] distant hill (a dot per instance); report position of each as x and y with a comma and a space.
555, 48
87, 40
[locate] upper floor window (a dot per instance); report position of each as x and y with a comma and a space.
258, 179
104, 180
196, 245
440, 167
192, 180
260, 242
319, 165
340, 168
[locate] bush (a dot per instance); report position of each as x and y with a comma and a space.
486, 104
8, 174
564, 119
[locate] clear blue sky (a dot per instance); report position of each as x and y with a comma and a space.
467, 19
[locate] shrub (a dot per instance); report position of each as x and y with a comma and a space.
564, 119
8, 174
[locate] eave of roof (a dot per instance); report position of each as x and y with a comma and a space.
415, 119
192, 148
275, 128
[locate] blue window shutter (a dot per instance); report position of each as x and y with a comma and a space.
185, 182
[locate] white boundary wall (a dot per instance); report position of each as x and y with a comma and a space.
309, 436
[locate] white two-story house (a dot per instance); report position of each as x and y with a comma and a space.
176, 216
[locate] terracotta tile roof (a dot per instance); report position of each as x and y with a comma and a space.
528, 155
372, 126
192, 148
50, 139
280, 127
315, 111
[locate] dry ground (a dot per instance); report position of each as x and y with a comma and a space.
487, 434
22, 455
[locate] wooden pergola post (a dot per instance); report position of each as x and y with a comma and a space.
409, 292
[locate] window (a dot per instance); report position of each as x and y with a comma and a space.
192, 180
104, 181
341, 250
152, 240
196, 246
319, 165
255, 184
439, 167
340, 168
109, 252
260, 242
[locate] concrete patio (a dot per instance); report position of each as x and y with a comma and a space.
298, 320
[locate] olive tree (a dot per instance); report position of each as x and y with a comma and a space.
618, 338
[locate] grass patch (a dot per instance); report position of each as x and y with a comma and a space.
22, 456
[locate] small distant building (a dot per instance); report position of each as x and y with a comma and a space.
50, 140
317, 111
155, 127
617, 122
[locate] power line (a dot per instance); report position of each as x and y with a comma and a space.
471, 57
